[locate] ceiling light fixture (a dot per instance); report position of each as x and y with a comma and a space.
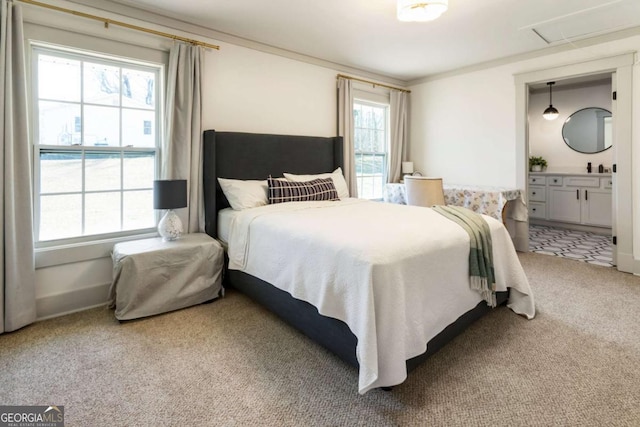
550, 113
421, 11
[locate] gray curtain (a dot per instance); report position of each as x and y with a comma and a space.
345, 130
182, 149
17, 283
399, 133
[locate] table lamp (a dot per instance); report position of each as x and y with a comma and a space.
407, 168
170, 194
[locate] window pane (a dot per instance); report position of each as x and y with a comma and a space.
138, 89
378, 118
58, 78
101, 84
57, 123
139, 170
60, 172
60, 216
367, 165
368, 114
101, 126
135, 124
377, 141
358, 159
92, 101
102, 171
370, 137
102, 213
138, 210
377, 165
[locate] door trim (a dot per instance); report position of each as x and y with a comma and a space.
621, 68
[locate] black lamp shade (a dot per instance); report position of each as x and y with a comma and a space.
170, 194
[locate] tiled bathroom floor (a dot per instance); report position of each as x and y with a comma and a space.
578, 245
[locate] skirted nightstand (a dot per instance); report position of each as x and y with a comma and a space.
152, 276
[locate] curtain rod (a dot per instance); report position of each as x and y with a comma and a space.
108, 21
371, 83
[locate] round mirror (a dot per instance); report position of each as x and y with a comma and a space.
588, 130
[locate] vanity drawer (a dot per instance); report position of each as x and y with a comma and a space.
554, 180
537, 194
606, 183
537, 180
537, 210
581, 181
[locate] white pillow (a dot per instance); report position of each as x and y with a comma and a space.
244, 194
337, 177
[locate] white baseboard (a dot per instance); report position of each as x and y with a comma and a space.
636, 267
70, 302
625, 263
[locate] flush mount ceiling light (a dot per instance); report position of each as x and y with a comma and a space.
550, 113
421, 11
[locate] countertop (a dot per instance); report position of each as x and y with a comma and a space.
565, 173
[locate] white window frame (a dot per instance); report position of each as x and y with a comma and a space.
386, 106
79, 54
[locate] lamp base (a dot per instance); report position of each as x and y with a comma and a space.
170, 226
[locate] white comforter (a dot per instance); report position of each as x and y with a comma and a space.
396, 275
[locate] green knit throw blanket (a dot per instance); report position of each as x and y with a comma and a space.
481, 273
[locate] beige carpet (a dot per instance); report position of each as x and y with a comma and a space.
231, 363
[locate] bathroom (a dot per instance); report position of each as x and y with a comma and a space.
570, 199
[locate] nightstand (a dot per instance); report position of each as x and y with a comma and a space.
152, 276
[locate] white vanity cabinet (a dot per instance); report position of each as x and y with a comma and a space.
537, 197
578, 199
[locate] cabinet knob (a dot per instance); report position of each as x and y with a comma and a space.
555, 180
534, 193
533, 209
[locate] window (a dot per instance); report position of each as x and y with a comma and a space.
95, 142
371, 146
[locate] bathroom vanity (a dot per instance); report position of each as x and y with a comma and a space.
571, 199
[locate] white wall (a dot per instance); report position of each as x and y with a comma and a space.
545, 136
250, 91
463, 125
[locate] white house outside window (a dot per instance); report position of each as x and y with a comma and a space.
371, 146
95, 141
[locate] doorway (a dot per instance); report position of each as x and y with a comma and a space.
620, 67
570, 200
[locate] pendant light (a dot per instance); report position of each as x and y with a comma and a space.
550, 113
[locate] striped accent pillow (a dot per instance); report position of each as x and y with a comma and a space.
281, 191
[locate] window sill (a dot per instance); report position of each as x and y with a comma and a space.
77, 252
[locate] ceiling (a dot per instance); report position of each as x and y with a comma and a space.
366, 35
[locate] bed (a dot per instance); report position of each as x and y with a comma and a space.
334, 317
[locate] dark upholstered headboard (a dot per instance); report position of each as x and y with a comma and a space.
237, 155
